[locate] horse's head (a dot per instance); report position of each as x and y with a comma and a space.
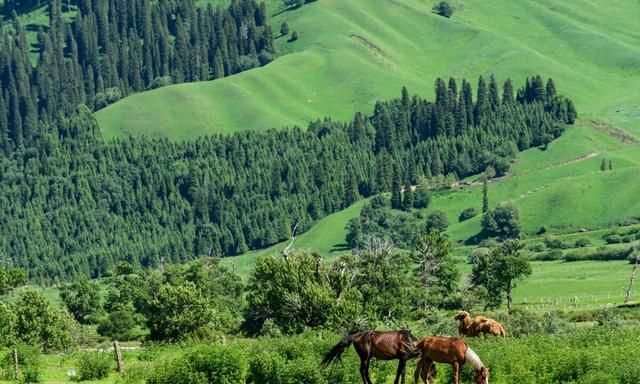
482, 376
462, 315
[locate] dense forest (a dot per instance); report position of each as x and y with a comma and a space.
112, 48
72, 204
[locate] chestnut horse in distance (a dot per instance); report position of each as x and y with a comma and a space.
449, 350
381, 345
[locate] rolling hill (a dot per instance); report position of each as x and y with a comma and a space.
352, 53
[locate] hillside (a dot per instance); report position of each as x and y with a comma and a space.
351, 54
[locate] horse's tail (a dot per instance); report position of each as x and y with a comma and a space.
335, 352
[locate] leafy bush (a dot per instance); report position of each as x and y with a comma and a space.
437, 220
555, 243
582, 242
600, 254
30, 364
209, 364
613, 239
443, 8
467, 214
94, 365
554, 254
536, 247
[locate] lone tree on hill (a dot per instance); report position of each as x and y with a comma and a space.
294, 36
284, 29
443, 8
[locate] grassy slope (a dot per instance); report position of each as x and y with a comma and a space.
351, 54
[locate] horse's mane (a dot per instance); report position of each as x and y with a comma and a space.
472, 358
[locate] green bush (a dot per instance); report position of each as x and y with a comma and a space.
554, 254
613, 239
600, 254
30, 364
554, 243
443, 8
467, 214
209, 364
536, 247
94, 365
582, 242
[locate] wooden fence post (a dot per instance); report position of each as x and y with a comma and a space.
16, 364
116, 349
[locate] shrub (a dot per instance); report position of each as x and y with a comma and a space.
437, 220
582, 242
600, 254
613, 239
209, 364
536, 247
94, 365
30, 364
554, 243
467, 214
554, 254
294, 36
443, 8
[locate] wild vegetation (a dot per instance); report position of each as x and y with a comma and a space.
112, 48
411, 213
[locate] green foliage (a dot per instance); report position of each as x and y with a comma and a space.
82, 299
421, 196
437, 220
294, 36
30, 361
582, 242
600, 254
118, 325
11, 279
175, 312
293, 293
499, 270
503, 221
467, 214
443, 8
94, 365
203, 365
284, 29
436, 271
376, 220
39, 323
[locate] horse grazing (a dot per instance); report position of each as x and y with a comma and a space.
381, 345
448, 350
474, 327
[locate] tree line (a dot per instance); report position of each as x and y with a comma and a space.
72, 204
112, 48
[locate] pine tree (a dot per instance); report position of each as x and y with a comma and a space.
507, 92
396, 186
485, 195
407, 202
603, 165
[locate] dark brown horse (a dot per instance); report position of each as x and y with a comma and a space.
449, 350
381, 345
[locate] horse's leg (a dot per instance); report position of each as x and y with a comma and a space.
418, 372
400, 372
426, 369
456, 372
366, 372
364, 366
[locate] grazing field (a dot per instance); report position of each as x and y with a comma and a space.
351, 53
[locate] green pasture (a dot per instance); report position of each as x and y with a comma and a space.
352, 53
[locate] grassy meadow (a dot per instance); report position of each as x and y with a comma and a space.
352, 53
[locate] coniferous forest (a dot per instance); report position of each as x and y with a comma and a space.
113, 48
73, 204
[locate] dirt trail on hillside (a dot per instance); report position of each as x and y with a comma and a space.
614, 132
364, 41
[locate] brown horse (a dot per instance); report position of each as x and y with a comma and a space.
448, 350
381, 345
474, 327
